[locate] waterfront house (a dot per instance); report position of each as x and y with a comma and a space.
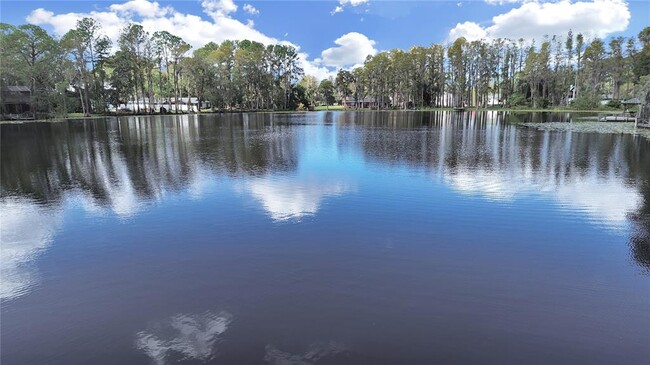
17, 102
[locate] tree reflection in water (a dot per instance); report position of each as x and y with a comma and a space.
640, 241
120, 164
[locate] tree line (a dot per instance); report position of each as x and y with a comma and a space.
558, 73
84, 71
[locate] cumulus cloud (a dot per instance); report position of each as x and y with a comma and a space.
142, 8
533, 20
218, 8
251, 9
343, 3
192, 28
352, 49
314, 68
470, 30
195, 30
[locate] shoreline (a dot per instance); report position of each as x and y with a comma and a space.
332, 109
590, 126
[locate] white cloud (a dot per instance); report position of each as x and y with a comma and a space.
470, 30
533, 20
314, 68
112, 21
503, 2
353, 48
251, 9
343, 3
192, 28
353, 2
218, 8
142, 8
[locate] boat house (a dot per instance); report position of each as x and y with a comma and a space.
16, 102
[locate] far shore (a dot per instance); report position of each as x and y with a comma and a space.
317, 109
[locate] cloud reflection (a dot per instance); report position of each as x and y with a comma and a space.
606, 201
596, 174
188, 336
26, 229
287, 198
315, 352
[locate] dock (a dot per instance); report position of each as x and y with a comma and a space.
617, 118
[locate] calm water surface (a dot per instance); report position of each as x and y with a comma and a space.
322, 238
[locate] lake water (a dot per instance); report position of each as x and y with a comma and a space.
323, 238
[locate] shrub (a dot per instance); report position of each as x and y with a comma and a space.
614, 104
518, 100
586, 102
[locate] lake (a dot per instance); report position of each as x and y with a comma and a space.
323, 238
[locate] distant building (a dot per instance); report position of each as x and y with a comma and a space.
17, 102
364, 103
146, 105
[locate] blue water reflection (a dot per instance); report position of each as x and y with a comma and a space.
387, 237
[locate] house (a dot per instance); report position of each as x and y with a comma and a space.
17, 102
350, 102
189, 104
146, 104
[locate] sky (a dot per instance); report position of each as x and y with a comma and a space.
336, 34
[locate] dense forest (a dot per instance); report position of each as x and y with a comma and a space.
84, 71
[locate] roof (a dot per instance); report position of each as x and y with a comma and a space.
631, 101
364, 100
16, 89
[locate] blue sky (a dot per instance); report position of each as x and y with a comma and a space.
339, 34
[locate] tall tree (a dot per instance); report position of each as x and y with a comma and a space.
28, 57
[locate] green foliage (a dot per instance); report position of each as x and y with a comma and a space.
344, 83
248, 75
32, 58
614, 104
586, 102
642, 87
518, 100
326, 91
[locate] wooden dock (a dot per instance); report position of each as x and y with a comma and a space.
617, 118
